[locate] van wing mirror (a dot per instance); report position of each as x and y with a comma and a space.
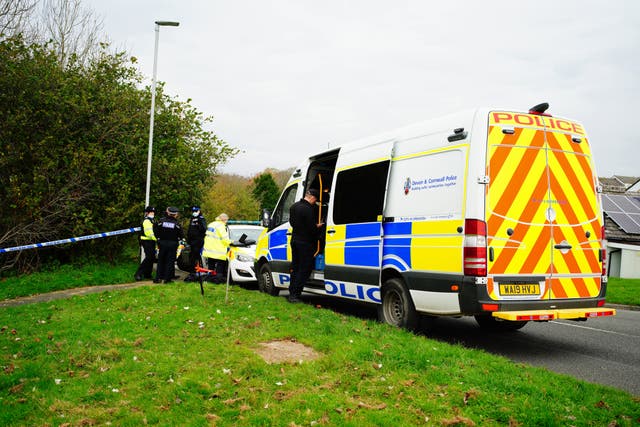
266, 218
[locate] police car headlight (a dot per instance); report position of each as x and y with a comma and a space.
244, 258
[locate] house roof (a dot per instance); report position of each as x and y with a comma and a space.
620, 186
616, 234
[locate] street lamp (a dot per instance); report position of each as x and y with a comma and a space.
153, 102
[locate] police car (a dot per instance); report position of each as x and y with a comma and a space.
243, 251
241, 255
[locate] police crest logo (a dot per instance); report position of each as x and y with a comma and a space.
407, 186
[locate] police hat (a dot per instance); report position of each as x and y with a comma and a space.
313, 192
195, 208
172, 211
149, 209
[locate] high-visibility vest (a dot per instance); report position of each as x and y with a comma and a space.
147, 230
216, 241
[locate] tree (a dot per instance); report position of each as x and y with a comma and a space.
265, 191
73, 149
73, 29
231, 194
13, 16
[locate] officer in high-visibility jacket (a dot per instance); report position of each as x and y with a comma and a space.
216, 247
148, 243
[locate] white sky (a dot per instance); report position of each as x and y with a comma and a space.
285, 78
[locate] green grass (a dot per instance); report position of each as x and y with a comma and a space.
163, 355
623, 291
67, 277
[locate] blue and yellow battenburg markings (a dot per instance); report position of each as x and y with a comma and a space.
362, 245
397, 246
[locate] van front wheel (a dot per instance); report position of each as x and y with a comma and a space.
265, 281
397, 307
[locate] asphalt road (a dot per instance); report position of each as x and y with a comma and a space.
603, 351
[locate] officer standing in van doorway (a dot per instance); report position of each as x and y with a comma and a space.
148, 243
168, 232
304, 241
195, 236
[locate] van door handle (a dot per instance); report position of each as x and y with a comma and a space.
563, 246
331, 231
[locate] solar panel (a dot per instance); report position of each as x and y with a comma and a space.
607, 203
625, 204
625, 222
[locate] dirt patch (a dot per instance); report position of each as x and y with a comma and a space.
286, 351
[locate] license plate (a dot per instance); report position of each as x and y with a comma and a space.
507, 289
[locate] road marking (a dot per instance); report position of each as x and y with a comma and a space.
595, 329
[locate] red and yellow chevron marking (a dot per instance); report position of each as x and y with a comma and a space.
537, 174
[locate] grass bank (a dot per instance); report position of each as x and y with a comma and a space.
623, 291
619, 291
68, 277
163, 355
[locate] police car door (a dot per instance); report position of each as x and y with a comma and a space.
354, 222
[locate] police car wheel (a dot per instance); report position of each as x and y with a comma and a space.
183, 265
265, 281
493, 324
397, 307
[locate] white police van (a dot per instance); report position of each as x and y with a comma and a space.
492, 213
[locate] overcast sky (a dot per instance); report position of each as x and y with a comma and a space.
285, 79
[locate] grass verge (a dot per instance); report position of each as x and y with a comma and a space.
164, 355
67, 277
623, 291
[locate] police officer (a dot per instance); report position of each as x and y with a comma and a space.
304, 241
216, 246
195, 236
168, 232
148, 243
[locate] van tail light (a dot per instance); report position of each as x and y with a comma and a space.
475, 248
603, 252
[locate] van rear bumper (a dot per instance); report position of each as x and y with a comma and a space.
543, 315
474, 299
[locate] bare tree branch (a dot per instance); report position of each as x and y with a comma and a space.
73, 29
14, 14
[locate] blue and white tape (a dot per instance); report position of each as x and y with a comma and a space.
71, 240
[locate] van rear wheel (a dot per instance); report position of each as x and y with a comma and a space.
397, 307
265, 281
491, 323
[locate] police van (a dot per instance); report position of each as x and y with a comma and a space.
489, 213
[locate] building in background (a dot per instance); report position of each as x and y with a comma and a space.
621, 203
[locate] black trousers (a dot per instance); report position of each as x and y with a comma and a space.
220, 266
301, 265
194, 254
166, 259
146, 266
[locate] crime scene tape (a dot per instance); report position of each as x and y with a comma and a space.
70, 240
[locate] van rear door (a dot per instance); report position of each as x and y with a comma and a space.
543, 219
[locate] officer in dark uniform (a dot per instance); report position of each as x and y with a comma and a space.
168, 232
304, 241
195, 236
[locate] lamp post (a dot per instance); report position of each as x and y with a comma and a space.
153, 103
